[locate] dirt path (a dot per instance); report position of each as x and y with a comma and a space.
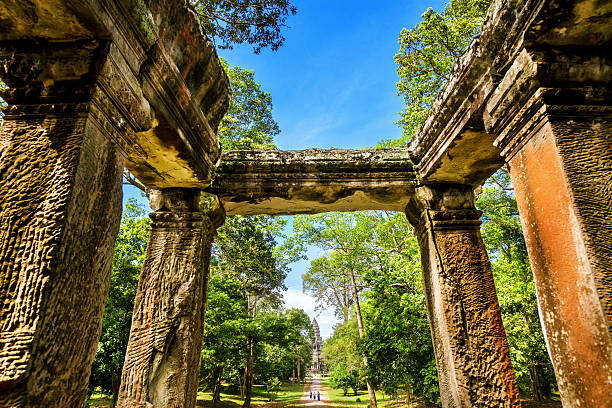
314, 387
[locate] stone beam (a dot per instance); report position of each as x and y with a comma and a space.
453, 145
313, 181
164, 81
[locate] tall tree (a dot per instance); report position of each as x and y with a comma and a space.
248, 123
348, 237
256, 22
245, 251
329, 287
427, 54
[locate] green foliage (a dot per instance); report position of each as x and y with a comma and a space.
381, 250
280, 338
246, 250
503, 237
342, 379
128, 257
426, 57
256, 22
397, 339
340, 350
273, 385
248, 123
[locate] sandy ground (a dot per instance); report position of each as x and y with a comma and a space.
314, 386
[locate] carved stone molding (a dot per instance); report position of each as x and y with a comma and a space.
160, 91
549, 83
314, 180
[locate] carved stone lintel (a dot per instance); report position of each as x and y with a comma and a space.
472, 354
162, 359
60, 213
314, 180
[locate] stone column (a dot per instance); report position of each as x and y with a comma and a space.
558, 143
163, 355
60, 207
472, 355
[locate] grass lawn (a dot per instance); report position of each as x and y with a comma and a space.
289, 396
99, 400
337, 399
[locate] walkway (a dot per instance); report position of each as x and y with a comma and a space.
315, 386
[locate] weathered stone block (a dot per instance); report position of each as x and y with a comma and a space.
312, 181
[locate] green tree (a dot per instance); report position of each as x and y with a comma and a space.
328, 287
427, 54
247, 252
345, 236
273, 385
341, 351
343, 379
256, 22
503, 237
128, 257
223, 351
248, 123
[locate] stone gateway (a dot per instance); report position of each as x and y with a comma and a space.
96, 86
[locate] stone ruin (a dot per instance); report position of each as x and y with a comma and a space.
317, 366
96, 86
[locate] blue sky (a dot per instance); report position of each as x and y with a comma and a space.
332, 85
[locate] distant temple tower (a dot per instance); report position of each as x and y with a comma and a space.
317, 366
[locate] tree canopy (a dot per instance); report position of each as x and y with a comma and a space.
258, 23
426, 56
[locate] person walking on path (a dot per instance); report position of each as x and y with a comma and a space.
317, 397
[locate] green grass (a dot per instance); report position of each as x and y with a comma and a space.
99, 400
289, 396
337, 399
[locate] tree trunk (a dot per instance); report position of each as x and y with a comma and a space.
248, 386
408, 394
216, 397
371, 392
299, 372
116, 383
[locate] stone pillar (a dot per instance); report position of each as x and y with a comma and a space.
60, 207
472, 355
163, 355
558, 144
